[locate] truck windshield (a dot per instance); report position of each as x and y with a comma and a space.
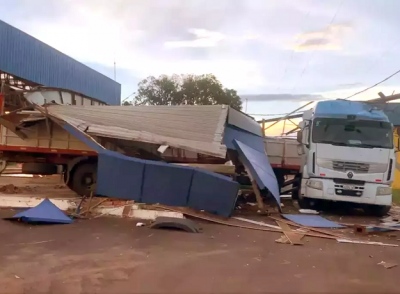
357, 133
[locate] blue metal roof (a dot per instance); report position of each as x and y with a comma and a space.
343, 108
25, 57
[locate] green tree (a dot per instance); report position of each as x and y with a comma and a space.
186, 90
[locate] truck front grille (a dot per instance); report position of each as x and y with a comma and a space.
353, 166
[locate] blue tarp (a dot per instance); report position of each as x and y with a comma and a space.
260, 168
45, 212
315, 221
120, 176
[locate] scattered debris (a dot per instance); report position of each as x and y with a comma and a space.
45, 212
176, 223
256, 222
387, 265
293, 237
11, 189
312, 221
140, 224
31, 243
319, 232
283, 240
308, 211
366, 242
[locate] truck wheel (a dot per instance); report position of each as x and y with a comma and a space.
378, 210
83, 178
39, 168
309, 203
3, 165
295, 194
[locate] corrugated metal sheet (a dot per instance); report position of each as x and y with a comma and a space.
244, 122
195, 128
23, 56
260, 168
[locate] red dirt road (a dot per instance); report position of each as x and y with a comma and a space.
114, 256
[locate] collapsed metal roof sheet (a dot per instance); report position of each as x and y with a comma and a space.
195, 128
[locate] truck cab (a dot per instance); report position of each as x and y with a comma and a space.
347, 155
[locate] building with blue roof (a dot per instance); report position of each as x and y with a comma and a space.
28, 59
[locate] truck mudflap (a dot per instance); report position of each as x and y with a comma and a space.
260, 168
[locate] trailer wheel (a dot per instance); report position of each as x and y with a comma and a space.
84, 177
3, 165
39, 168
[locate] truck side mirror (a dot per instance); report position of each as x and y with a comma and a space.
300, 137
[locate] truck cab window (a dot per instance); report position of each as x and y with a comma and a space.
355, 133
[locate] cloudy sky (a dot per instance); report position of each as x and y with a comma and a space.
278, 54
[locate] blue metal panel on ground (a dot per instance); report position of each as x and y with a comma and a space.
45, 212
23, 56
315, 221
213, 193
119, 176
167, 183
232, 133
260, 168
343, 108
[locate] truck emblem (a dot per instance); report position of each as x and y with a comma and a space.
349, 175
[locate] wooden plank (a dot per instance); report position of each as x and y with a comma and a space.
227, 223
309, 228
256, 223
365, 242
293, 237
256, 191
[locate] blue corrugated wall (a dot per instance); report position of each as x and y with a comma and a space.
23, 56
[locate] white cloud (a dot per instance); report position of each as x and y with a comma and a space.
329, 38
203, 38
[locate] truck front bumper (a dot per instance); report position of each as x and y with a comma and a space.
329, 190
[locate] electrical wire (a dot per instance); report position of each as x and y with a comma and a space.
373, 86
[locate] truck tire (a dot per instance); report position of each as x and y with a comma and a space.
295, 194
39, 168
377, 210
84, 176
304, 203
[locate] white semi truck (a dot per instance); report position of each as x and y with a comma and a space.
347, 154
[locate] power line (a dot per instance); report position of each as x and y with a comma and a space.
384, 80
128, 96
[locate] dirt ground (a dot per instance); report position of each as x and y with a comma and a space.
110, 255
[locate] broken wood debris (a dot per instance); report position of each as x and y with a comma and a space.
293, 237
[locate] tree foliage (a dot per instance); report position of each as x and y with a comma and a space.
185, 90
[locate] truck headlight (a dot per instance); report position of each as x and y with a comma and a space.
383, 191
315, 184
